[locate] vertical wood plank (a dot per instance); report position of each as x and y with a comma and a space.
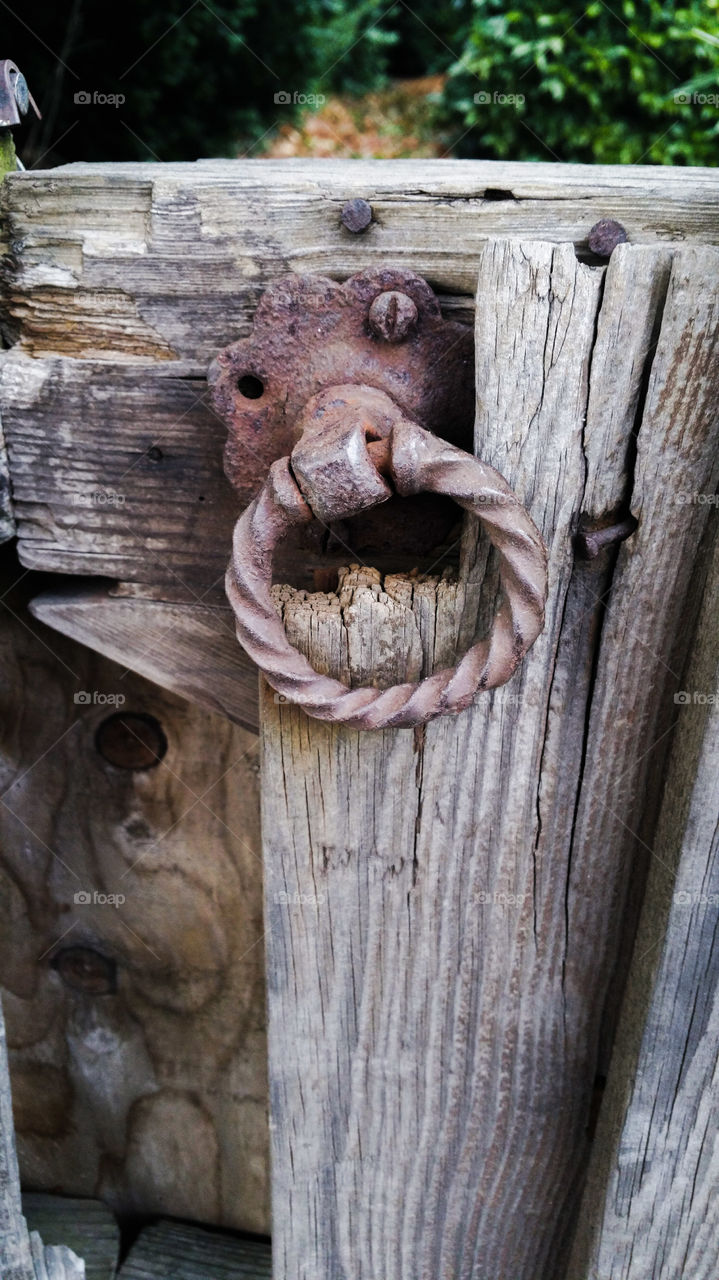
416, 1012
651, 1205
441, 929
7, 519
15, 1257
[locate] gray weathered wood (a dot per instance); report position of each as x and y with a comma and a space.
23, 1256
15, 1257
7, 519
190, 649
440, 936
124, 280
162, 262
644, 629
651, 1206
114, 508
175, 1251
86, 1226
55, 1262
127, 279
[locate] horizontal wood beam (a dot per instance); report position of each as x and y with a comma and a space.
147, 261
126, 279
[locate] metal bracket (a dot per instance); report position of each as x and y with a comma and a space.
15, 97
381, 330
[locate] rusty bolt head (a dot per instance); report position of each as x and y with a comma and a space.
356, 215
605, 235
392, 315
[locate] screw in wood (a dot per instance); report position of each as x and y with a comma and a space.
392, 315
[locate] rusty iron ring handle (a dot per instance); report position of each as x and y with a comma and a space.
417, 461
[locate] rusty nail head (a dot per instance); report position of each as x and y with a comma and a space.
605, 235
356, 215
392, 315
589, 542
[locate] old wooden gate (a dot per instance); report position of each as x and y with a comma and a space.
450, 911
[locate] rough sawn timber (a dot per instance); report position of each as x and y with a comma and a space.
444, 909
23, 1256
651, 1206
178, 1251
190, 649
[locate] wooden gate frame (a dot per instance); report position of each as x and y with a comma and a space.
91, 305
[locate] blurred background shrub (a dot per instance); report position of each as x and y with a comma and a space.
627, 83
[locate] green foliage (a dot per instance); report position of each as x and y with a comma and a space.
627, 84
589, 84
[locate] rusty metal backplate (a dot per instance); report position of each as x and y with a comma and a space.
311, 333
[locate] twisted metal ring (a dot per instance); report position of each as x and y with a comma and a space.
415, 461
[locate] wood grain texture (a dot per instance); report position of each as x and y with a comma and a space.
191, 650
7, 519
125, 280
650, 1207
23, 1255
645, 626
441, 934
176, 1251
86, 1226
15, 1258
140, 261
150, 1094
132, 483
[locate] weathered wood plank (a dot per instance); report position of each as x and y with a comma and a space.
117, 473
190, 649
401, 905
645, 626
85, 1226
175, 1251
142, 1080
145, 502
7, 519
650, 1206
15, 1258
23, 1255
127, 279
441, 930
142, 261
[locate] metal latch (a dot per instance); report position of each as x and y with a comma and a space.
333, 403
